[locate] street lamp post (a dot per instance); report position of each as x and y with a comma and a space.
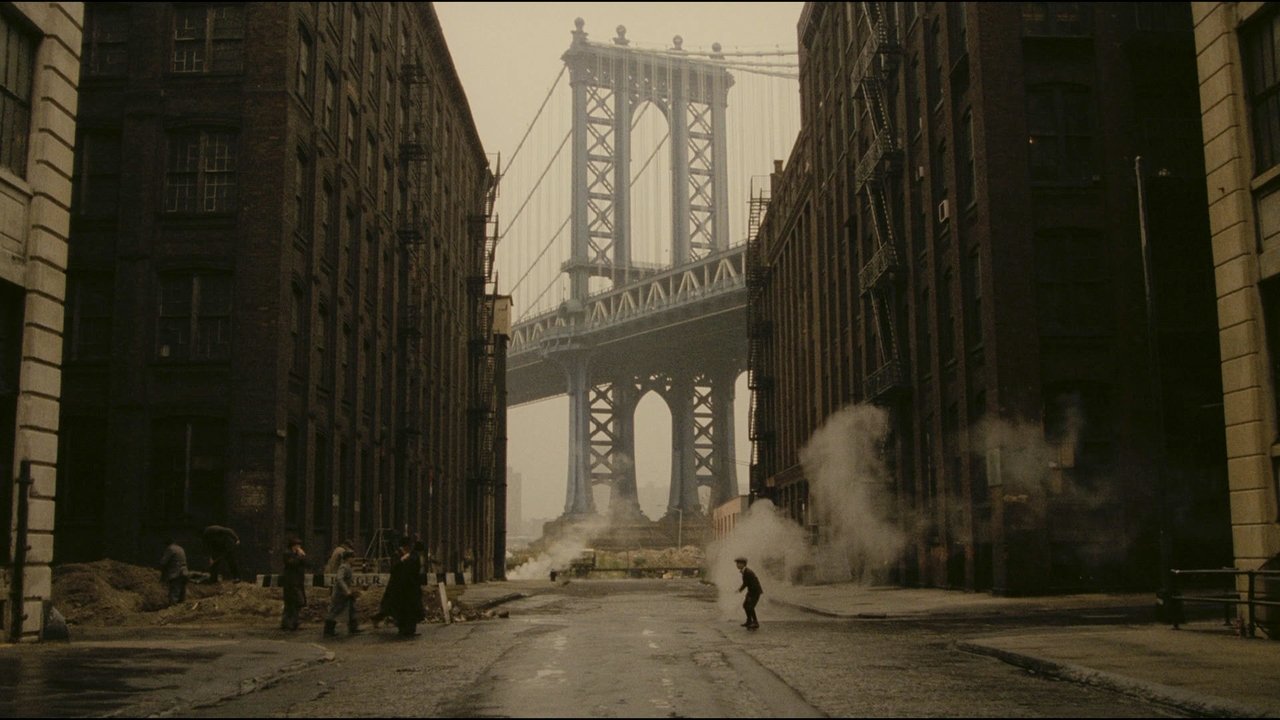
680, 528
1157, 390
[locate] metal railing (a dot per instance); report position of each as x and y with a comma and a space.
1230, 599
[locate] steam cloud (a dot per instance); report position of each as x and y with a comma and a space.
569, 545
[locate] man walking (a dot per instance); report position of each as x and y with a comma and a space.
293, 581
751, 584
173, 571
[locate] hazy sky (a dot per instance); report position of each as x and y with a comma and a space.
508, 55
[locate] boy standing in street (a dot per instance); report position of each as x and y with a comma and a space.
342, 599
751, 584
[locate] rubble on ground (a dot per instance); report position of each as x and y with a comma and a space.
109, 592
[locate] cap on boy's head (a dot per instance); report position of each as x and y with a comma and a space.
741, 560
295, 541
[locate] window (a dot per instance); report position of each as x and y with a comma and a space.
1073, 290
388, 184
353, 115
201, 176
351, 246
966, 172
322, 488
194, 317
89, 305
1260, 45
371, 162
302, 74
375, 69
17, 54
973, 299
1162, 17
98, 174
1058, 19
348, 380
357, 32
946, 319
208, 38
914, 126
388, 98
293, 493
370, 378
935, 69
328, 213
958, 40
188, 463
301, 191
106, 41
1060, 133
924, 335
324, 356
331, 102
371, 266
297, 310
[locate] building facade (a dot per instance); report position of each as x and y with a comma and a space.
280, 309
956, 238
39, 73
1236, 44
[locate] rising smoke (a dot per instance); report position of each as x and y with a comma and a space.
775, 548
568, 545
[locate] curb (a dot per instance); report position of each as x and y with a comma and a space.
834, 614
1184, 700
488, 604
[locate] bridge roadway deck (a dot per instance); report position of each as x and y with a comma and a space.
703, 333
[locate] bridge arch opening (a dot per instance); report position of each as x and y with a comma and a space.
653, 454
650, 154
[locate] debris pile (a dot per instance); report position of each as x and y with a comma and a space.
109, 592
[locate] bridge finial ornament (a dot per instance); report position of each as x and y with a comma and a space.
579, 35
622, 36
678, 41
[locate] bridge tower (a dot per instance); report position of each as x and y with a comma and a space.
609, 82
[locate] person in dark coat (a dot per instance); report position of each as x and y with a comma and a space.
293, 581
221, 543
403, 598
751, 584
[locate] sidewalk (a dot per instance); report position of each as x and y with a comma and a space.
1202, 668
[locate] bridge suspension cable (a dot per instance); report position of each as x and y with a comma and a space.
537, 183
554, 83
565, 224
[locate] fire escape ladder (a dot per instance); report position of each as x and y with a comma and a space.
758, 331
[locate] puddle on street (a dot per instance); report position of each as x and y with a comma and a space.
63, 682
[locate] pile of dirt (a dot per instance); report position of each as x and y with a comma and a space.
108, 592
689, 556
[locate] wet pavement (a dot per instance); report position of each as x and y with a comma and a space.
659, 648
148, 672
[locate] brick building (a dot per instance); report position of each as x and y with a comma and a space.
39, 71
1236, 44
279, 313
956, 238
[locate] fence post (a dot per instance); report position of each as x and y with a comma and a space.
1251, 599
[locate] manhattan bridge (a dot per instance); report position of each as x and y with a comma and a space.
626, 256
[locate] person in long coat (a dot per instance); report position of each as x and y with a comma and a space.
403, 598
293, 582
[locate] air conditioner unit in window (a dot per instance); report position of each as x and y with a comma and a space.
944, 212
164, 351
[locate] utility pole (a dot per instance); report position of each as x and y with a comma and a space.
1157, 390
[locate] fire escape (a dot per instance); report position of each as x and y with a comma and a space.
484, 473
758, 328
877, 169
412, 232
